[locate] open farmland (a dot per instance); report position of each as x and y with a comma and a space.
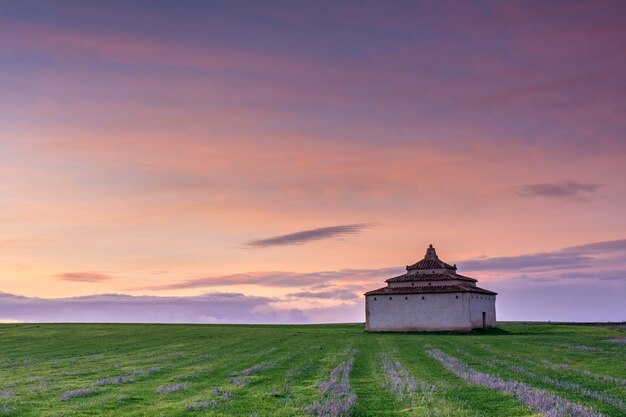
201, 370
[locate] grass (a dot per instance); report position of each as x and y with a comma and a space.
327, 370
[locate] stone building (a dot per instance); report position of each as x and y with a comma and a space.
430, 296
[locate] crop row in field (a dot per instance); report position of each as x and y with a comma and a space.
334, 370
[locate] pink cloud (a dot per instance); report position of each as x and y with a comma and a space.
83, 46
84, 276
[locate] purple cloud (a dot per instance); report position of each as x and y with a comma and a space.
536, 261
305, 236
609, 246
568, 190
527, 284
573, 257
206, 308
577, 283
591, 276
338, 294
532, 301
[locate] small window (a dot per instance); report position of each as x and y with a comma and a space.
429, 283
457, 296
391, 298
422, 298
412, 284
374, 298
406, 298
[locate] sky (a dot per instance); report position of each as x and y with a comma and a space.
269, 162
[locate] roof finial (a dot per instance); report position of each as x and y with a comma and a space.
431, 253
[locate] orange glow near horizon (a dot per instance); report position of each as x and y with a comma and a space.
140, 155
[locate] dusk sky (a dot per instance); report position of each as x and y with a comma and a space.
269, 162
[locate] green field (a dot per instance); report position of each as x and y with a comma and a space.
199, 370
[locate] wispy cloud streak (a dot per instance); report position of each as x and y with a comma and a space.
568, 190
84, 276
306, 236
281, 279
574, 257
606, 247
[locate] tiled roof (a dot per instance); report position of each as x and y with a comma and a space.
434, 289
430, 277
430, 264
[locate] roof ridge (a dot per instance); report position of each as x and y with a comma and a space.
430, 264
430, 289
437, 276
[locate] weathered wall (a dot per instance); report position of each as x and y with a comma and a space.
435, 312
479, 303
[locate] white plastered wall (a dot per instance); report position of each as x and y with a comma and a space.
418, 312
480, 303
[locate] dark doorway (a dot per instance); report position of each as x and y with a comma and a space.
484, 320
